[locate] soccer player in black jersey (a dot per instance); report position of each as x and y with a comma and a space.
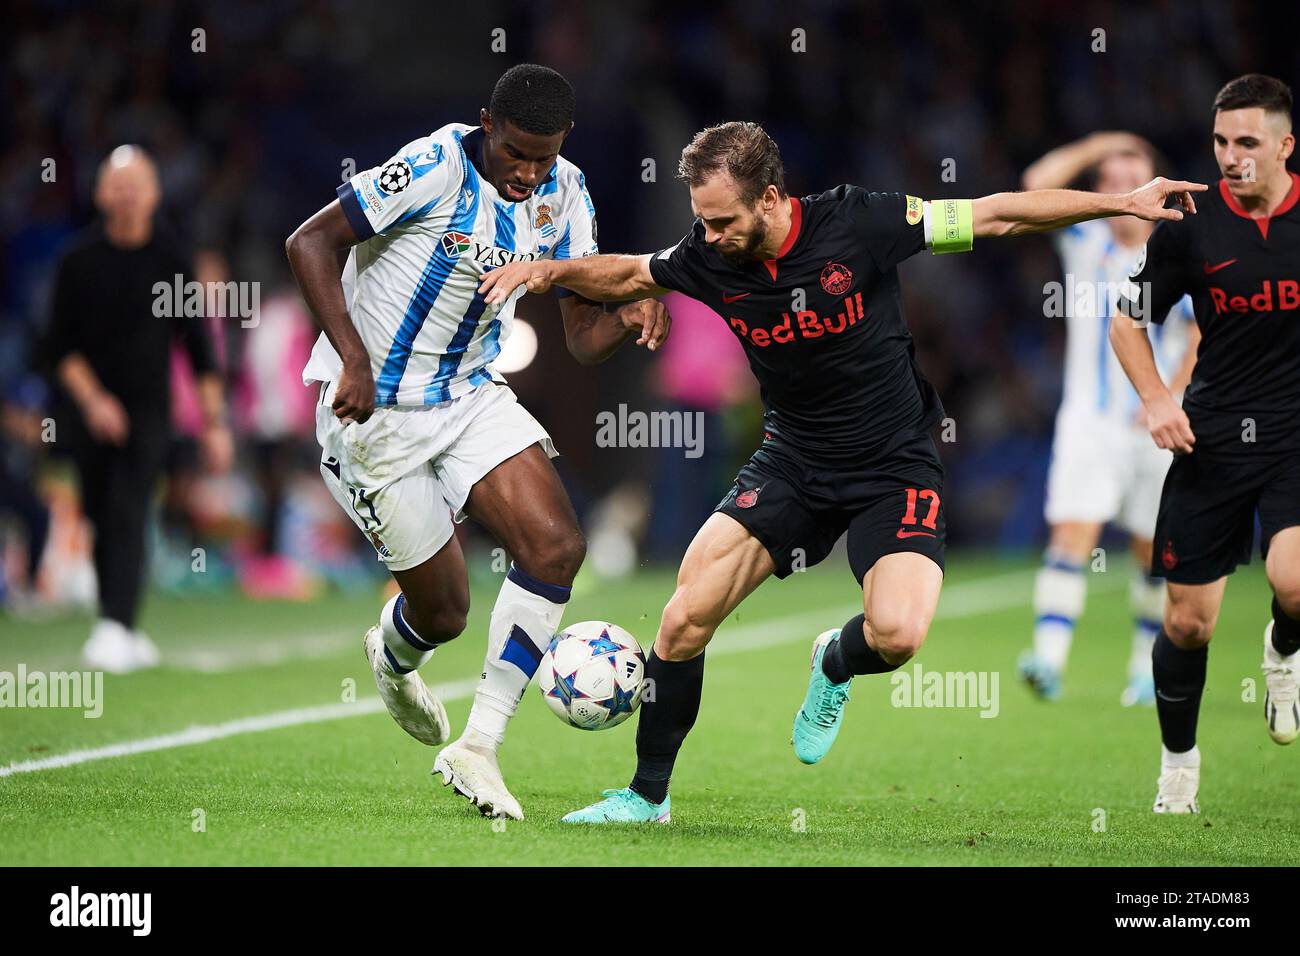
1237, 434
810, 287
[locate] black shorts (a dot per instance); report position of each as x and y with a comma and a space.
799, 510
1206, 523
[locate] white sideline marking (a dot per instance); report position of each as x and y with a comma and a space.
202, 734
988, 594
285, 650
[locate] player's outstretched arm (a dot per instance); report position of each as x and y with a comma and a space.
1041, 210
1166, 420
599, 278
318, 251
593, 334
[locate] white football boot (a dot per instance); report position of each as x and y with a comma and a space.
409, 701
1176, 789
111, 648
1281, 707
473, 771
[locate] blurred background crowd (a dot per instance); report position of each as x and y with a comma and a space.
254, 120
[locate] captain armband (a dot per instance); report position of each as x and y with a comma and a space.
949, 225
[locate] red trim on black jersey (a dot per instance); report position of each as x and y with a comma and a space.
796, 220
1285, 207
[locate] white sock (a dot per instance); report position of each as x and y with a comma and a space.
406, 651
1059, 590
1147, 598
1169, 759
524, 619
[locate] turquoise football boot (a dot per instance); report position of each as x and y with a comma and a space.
622, 806
818, 721
1042, 680
1140, 692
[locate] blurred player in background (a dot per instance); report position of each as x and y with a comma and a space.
20, 440
416, 425
811, 288
1236, 436
110, 351
1104, 466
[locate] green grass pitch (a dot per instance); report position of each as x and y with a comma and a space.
1069, 783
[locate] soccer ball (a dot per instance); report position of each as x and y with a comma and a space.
591, 675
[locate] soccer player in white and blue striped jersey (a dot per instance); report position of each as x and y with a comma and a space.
419, 430
1104, 468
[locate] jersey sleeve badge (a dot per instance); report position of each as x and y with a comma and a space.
395, 176
913, 210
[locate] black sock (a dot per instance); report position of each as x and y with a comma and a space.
1180, 678
1286, 631
667, 717
849, 654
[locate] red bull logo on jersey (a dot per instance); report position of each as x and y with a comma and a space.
836, 278
1285, 299
804, 325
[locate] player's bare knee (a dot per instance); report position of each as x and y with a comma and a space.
899, 642
556, 559
1188, 628
685, 628
438, 621
1288, 596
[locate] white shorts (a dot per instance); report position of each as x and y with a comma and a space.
1105, 471
404, 475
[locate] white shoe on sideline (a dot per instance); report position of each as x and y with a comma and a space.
145, 650
111, 648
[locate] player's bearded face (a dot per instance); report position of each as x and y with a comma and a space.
736, 229
743, 246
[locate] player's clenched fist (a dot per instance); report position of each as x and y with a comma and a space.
651, 318
1169, 426
354, 398
499, 284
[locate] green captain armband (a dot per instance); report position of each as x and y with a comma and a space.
952, 226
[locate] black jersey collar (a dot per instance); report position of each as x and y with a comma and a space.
1285, 207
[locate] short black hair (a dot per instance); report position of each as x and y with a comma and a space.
533, 98
1255, 89
743, 150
